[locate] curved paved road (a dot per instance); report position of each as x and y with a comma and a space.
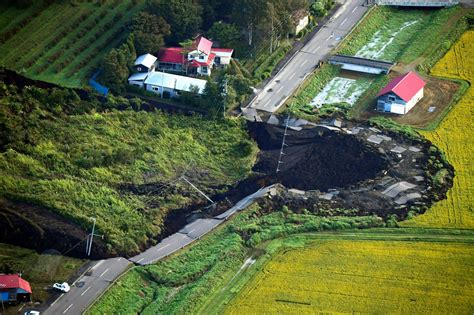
96, 281
284, 84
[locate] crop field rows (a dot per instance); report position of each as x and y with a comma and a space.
455, 138
349, 276
63, 43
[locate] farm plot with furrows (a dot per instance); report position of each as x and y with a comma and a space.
62, 43
455, 138
360, 276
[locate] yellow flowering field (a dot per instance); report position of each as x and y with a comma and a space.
360, 276
455, 137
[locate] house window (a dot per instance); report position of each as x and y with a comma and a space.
204, 69
201, 57
391, 98
139, 68
155, 88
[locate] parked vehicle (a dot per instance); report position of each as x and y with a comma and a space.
63, 287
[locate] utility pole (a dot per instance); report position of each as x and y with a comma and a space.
90, 238
283, 144
197, 189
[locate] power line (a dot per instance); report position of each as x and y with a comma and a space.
283, 144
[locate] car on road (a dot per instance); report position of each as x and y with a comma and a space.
63, 287
32, 313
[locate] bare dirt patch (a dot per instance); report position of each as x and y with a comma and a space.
438, 94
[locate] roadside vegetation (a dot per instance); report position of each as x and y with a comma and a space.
454, 136
189, 281
41, 270
121, 167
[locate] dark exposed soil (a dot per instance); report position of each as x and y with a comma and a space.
314, 158
38, 228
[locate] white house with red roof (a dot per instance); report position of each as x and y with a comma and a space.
14, 289
199, 61
401, 94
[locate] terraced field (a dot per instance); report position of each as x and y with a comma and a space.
455, 136
62, 43
363, 276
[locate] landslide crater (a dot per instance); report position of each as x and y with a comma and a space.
315, 158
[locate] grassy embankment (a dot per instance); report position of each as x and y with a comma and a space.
40, 270
376, 36
454, 136
115, 166
191, 280
206, 277
63, 42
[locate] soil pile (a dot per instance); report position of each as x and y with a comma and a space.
315, 158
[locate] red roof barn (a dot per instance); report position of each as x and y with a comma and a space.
14, 289
401, 94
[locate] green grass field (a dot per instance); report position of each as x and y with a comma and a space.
62, 43
116, 166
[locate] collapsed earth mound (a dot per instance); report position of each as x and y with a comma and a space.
315, 158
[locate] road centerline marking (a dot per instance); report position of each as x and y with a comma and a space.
103, 273
163, 247
291, 77
345, 20
85, 291
67, 309
353, 10
140, 260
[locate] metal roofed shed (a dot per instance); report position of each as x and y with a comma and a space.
161, 82
359, 64
14, 289
145, 63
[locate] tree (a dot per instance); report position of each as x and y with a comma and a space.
149, 30
183, 16
226, 34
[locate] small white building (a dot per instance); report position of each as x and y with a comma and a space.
401, 94
171, 84
300, 20
145, 63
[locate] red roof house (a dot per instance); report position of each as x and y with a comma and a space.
401, 94
200, 60
14, 289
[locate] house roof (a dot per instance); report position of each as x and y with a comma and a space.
138, 77
173, 81
203, 44
14, 282
405, 86
210, 59
146, 60
222, 52
171, 55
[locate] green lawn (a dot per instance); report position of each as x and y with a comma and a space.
63, 43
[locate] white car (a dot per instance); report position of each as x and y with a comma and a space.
63, 287
32, 313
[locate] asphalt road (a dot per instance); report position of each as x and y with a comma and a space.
276, 92
88, 287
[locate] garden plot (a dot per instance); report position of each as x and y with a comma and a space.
383, 39
341, 90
